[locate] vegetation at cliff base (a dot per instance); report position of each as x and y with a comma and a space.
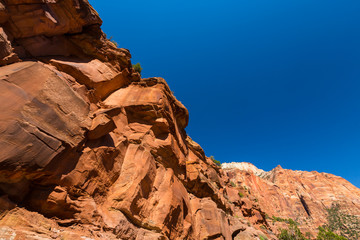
326, 234
286, 220
263, 237
340, 226
342, 223
137, 67
292, 233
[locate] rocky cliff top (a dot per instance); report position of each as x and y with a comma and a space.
244, 166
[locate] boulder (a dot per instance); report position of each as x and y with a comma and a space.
101, 126
101, 78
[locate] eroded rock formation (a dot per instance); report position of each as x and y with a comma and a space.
298, 195
88, 148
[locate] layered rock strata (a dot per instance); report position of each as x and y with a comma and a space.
298, 195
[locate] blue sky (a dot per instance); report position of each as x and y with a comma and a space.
267, 82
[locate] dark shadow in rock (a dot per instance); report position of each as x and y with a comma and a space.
51, 201
105, 141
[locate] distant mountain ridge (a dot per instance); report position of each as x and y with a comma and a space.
299, 195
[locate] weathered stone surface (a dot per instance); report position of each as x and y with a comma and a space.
299, 195
43, 122
42, 46
20, 223
7, 56
41, 116
49, 18
210, 222
151, 197
100, 126
97, 76
52, 29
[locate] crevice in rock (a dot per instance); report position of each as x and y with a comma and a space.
185, 209
44, 142
306, 207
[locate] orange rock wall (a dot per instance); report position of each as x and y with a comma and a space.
299, 195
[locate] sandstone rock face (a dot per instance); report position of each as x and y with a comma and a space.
299, 195
6, 51
94, 74
89, 150
42, 123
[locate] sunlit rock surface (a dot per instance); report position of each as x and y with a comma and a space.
299, 195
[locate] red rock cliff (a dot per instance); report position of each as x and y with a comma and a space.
89, 150
299, 195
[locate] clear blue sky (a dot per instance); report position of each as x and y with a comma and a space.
267, 82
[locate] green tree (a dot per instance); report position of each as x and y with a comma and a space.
326, 234
342, 223
215, 161
292, 233
137, 67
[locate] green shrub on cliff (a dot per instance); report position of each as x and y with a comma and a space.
215, 161
137, 67
286, 220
